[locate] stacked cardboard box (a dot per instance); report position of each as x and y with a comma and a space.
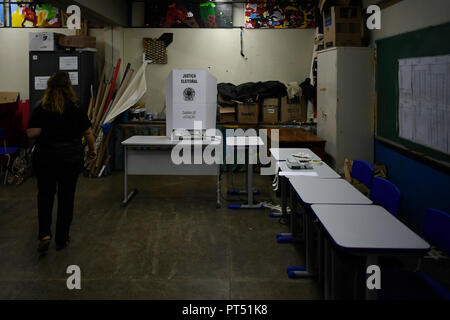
293, 110
270, 110
248, 113
342, 23
227, 110
227, 114
77, 41
52, 41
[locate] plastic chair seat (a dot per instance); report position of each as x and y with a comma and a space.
363, 172
386, 194
8, 151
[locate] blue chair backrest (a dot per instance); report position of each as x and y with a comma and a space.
2, 135
437, 229
386, 194
363, 172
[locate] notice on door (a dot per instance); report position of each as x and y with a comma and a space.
68, 63
73, 78
40, 83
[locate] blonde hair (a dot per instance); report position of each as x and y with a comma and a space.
59, 92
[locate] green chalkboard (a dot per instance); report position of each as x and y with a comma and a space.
431, 41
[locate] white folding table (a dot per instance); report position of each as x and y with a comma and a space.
327, 191
320, 191
320, 171
281, 154
247, 143
152, 155
366, 230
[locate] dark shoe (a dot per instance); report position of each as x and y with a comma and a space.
62, 246
43, 246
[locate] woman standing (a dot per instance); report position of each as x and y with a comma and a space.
58, 125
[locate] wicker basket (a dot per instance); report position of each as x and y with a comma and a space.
155, 50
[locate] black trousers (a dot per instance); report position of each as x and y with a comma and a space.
57, 169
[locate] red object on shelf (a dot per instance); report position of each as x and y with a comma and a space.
113, 85
24, 114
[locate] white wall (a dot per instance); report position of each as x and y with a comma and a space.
410, 15
14, 65
109, 46
283, 55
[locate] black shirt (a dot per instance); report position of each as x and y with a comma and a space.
60, 128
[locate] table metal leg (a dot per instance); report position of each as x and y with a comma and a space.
219, 189
321, 262
250, 204
247, 190
283, 188
326, 269
332, 273
308, 270
285, 237
127, 197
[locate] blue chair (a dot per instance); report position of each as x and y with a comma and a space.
436, 229
418, 285
5, 151
363, 172
386, 194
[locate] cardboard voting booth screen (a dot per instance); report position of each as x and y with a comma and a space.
191, 95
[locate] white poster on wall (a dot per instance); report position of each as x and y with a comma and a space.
424, 101
40, 83
68, 63
73, 78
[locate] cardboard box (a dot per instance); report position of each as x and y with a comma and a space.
342, 26
329, 3
9, 100
248, 113
44, 41
294, 110
270, 110
78, 42
9, 105
227, 114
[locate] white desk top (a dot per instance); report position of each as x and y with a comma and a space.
281, 154
327, 191
369, 227
166, 141
321, 171
244, 141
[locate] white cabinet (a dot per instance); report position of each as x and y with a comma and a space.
345, 104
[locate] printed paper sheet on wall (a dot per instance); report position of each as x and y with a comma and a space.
424, 101
274, 14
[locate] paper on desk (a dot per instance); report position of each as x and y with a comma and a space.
298, 173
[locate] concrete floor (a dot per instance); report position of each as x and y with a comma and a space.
170, 243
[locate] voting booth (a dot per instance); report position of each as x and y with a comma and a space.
191, 95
